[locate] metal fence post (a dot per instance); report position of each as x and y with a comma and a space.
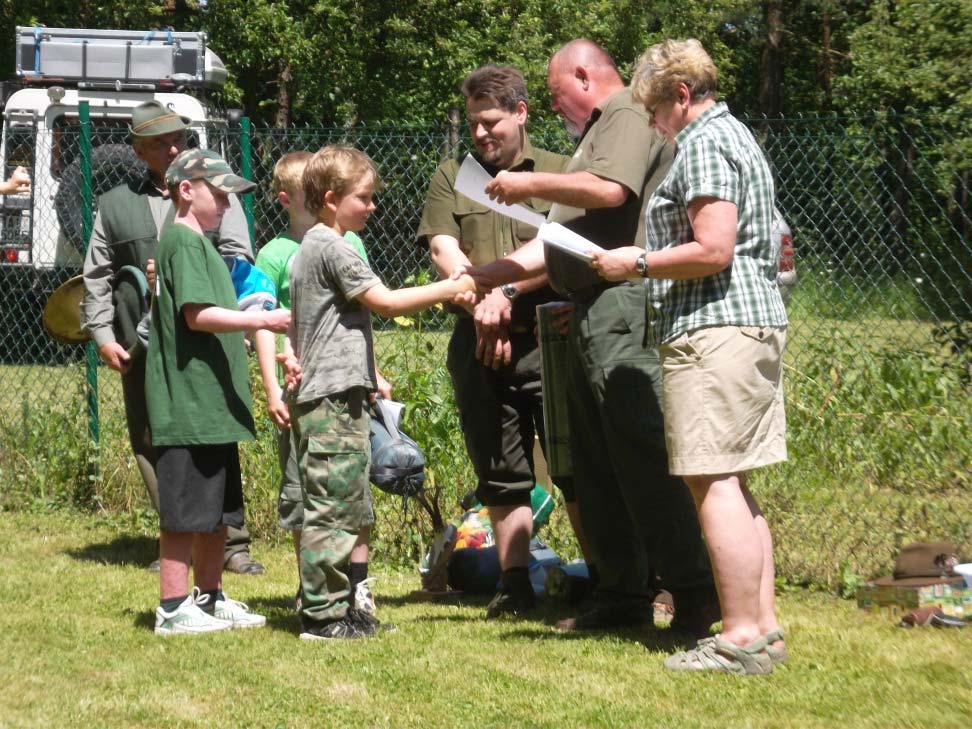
87, 223
246, 169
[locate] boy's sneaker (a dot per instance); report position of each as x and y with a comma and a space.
189, 618
354, 624
238, 613
364, 600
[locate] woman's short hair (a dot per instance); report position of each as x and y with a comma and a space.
663, 66
338, 169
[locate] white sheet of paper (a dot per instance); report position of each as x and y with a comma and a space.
392, 410
574, 244
472, 180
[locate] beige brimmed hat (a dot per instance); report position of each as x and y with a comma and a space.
153, 118
62, 313
204, 164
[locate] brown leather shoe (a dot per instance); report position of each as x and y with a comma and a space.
694, 620
243, 564
609, 617
515, 597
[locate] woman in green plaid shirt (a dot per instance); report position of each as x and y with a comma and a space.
720, 325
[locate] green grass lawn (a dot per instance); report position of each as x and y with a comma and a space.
76, 611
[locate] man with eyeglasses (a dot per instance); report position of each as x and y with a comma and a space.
126, 231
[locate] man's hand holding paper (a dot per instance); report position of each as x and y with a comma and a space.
509, 187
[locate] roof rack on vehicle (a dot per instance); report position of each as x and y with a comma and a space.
117, 59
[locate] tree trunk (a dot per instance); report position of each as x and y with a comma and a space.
771, 63
284, 97
826, 61
451, 141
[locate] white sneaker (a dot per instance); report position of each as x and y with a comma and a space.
189, 618
238, 613
363, 599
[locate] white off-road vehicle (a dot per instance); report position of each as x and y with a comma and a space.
57, 70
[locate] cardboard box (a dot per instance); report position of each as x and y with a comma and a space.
896, 600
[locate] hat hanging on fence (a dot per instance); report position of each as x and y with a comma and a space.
62, 313
922, 563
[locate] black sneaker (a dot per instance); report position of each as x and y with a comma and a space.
350, 627
363, 616
515, 597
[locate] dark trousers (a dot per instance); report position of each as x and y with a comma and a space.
637, 517
140, 437
501, 413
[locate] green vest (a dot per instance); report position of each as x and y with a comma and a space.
129, 225
132, 240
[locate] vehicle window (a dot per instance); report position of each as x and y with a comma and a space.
20, 148
66, 138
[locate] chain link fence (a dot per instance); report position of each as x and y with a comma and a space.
878, 354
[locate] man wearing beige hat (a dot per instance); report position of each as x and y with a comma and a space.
126, 231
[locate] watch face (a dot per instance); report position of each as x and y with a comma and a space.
641, 265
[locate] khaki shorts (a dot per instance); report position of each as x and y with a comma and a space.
723, 400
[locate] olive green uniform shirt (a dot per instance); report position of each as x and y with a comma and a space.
483, 234
618, 144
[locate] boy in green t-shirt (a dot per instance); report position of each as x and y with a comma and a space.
275, 259
198, 398
333, 292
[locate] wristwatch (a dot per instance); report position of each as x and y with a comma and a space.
641, 265
509, 291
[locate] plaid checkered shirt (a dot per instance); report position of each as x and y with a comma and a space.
716, 157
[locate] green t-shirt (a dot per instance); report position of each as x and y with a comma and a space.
354, 239
196, 384
277, 255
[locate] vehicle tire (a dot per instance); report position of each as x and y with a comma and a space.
111, 165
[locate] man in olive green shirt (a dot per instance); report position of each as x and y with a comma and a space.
493, 356
637, 517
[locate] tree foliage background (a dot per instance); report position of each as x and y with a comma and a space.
377, 61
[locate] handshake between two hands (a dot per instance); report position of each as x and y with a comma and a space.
473, 285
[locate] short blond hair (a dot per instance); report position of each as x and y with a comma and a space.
665, 65
288, 171
337, 169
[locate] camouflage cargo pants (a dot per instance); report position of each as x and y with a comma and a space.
333, 456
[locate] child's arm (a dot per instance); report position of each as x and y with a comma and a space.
266, 346
288, 359
216, 320
388, 303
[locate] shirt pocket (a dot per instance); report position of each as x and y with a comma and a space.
478, 236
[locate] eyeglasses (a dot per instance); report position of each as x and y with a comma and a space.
651, 109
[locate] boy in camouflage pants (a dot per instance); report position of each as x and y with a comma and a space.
333, 292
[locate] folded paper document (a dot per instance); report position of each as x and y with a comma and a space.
574, 244
471, 182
